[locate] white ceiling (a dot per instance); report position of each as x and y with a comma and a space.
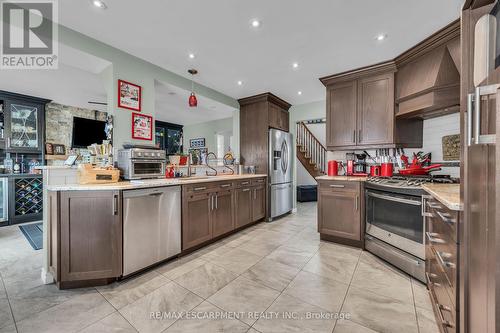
323, 36
171, 105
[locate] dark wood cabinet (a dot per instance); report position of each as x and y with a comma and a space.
223, 213
360, 109
278, 117
258, 114
375, 123
211, 210
85, 247
243, 206
341, 114
258, 203
340, 212
442, 263
196, 218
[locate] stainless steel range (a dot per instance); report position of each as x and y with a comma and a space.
395, 227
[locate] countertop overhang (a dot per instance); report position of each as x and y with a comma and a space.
447, 194
148, 183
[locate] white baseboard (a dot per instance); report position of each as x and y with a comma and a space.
47, 277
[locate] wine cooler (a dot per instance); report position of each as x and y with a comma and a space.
27, 199
4, 203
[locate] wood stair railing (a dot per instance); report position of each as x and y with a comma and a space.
310, 152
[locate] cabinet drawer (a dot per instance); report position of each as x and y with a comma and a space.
338, 186
198, 188
243, 183
444, 306
225, 185
258, 181
444, 218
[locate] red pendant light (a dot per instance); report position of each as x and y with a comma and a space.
193, 101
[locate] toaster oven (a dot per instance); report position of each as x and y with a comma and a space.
141, 163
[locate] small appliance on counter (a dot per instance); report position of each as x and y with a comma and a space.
141, 163
356, 165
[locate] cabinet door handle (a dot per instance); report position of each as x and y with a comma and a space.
337, 186
225, 185
359, 136
8, 142
199, 189
115, 204
216, 201
211, 202
255, 194
446, 218
356, 203
354, 136
245, 190
432, 237
444, 263
245, 183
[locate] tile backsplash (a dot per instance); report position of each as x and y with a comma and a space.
434, 130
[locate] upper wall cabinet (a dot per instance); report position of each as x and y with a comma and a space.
428, 76
258, 114
360, 110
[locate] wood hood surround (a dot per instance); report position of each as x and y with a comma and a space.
428, 77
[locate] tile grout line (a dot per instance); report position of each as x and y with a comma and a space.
8, 301
281, 293
414, 305
349, 286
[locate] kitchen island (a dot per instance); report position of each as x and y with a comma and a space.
92, 226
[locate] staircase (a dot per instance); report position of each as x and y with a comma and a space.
310, 152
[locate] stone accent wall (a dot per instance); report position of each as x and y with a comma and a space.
59, 122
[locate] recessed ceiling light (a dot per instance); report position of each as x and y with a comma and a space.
255, 23
299, 93
381, 37
191, 56
99, 4
240, 83
295, 65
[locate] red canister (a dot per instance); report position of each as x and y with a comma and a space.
333, 168
386, 170
375, 170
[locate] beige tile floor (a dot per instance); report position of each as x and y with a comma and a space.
272, 277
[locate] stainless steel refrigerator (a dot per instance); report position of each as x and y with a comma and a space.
280, 173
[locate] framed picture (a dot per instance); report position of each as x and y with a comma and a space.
129, 96
59, 149
49, 149
142, 126
197, 143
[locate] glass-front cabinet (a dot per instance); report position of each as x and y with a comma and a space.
168, 137
23, 126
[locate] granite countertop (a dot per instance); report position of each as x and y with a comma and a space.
447, 194
343, 178
146, 183
20, 175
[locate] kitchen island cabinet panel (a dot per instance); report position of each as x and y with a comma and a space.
90, 236
196, 219
339, 212
223, 213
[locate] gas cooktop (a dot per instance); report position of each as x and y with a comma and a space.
400, 181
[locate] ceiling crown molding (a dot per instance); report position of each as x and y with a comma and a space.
265, 97
382, 67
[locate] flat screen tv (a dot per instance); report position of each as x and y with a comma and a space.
87, 132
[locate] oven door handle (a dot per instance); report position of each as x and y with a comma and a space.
396, 199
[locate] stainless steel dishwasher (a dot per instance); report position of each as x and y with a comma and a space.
151, 226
